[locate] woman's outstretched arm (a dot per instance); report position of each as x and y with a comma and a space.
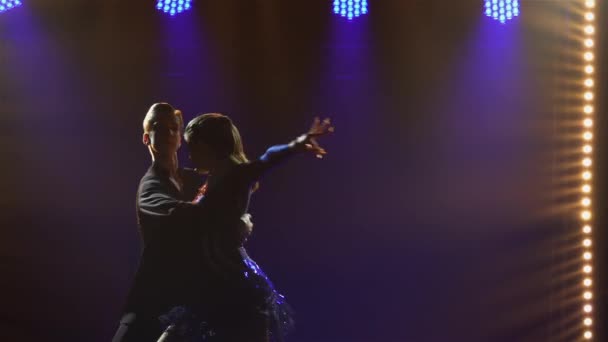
305, 143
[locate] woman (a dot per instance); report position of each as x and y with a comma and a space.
237, 301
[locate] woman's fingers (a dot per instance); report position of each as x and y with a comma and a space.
316, 149
319, 127
315, 124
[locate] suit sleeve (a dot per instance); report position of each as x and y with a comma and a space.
155, 200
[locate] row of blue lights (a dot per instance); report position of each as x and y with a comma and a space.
502, 10
350, 8
6, 5
173, 7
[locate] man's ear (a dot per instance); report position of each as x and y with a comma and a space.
146, 139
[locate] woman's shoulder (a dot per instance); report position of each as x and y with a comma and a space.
240, 170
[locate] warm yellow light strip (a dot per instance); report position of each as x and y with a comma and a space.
586, 214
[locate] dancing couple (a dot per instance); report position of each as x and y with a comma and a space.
195, 280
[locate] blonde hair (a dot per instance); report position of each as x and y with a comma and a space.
161, 108
218, 131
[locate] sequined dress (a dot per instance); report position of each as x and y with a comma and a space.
237, 302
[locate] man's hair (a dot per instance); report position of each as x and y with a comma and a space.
161, 108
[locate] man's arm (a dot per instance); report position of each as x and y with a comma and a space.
155, 200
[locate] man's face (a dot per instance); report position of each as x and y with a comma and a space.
164, 135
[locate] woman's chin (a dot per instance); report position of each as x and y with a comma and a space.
202, 171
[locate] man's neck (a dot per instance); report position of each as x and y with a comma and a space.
167, 163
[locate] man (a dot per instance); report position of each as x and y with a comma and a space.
169, 225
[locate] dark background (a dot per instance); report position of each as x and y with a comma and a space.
446, 209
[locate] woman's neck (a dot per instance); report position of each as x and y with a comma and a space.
221, 166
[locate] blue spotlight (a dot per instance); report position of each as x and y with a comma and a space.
350, 8
172, 7
502, 10
6, 5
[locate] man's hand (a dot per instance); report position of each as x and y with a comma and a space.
246, 227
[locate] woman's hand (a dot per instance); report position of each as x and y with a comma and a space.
319, 128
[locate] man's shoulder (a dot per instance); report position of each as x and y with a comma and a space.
152, 175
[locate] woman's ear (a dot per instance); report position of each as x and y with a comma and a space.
146, 139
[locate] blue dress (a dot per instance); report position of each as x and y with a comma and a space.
236, 301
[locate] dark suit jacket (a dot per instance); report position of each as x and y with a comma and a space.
175, 268
169, 226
